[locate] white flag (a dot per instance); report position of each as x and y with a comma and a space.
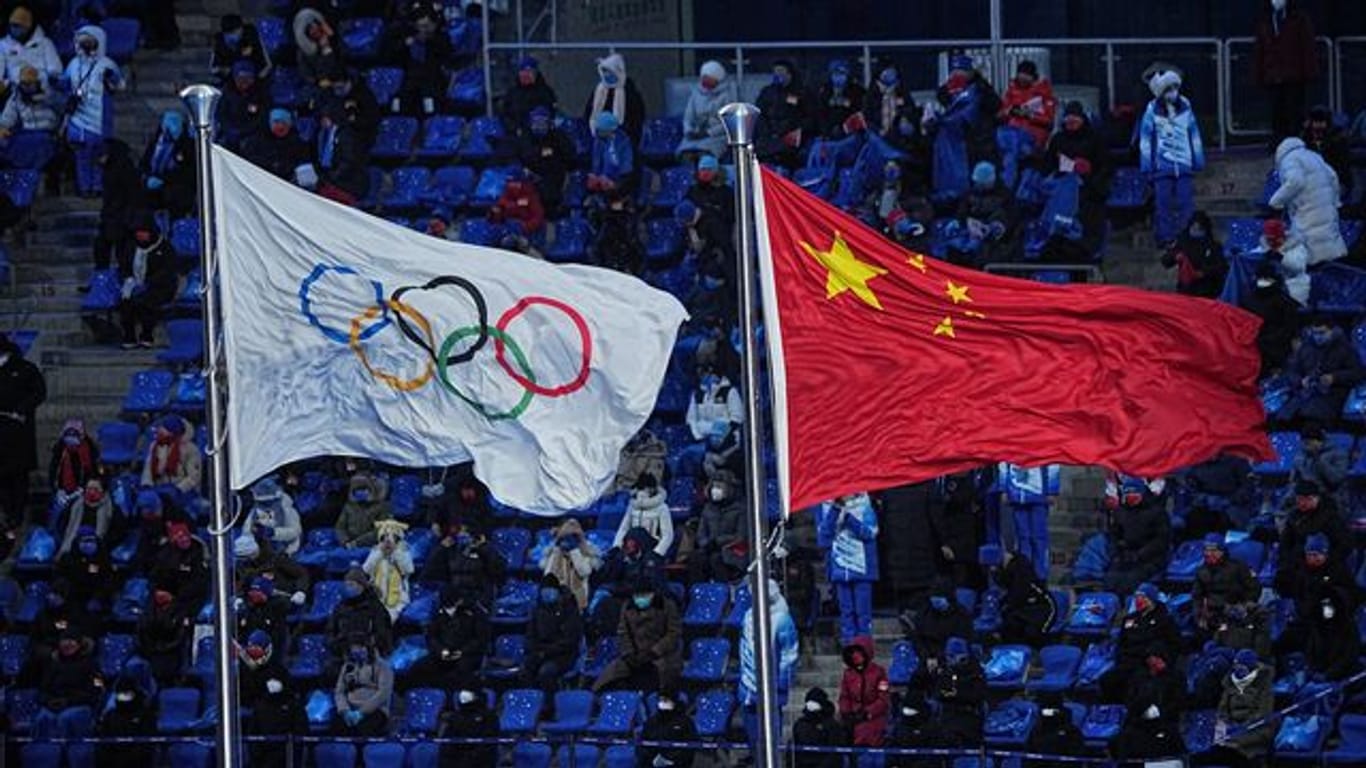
349, 335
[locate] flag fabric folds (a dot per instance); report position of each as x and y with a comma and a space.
349, 335
889, 367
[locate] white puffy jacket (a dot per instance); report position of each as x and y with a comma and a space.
1309, 194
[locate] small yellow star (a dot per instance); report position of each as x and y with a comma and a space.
916, 260
945, 328
977, 315
846, 272
959, 293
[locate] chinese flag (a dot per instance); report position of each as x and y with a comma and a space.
889, 367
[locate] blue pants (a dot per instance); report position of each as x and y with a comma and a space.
1173, 206
70, 723
855, 599
1031, 533
87, 147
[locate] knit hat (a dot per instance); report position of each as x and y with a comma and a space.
605, 122
1028, 67
837, 65
266, 489
528, 62
539, 113
960, 62
244, 547
21, 15
817, 694
984, 175
685, 211
955, 648
1148, 591
281, 115
1164, 81
263, 585
173, 424
1246, 657
1307, 488
259, 638
243, 67
1214, 541
714, 70
708, 163
148, 499
1316, 544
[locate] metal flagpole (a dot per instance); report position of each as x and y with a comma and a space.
739, 120
202, 101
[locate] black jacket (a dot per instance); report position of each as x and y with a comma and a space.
1083, 143
832, 109
912, 515
1141, 633
349, 154
122, 199
521, 99
278, 155
819, 729
1280, 316
668, 726
70, 681
248, 48
1141, 736
178, 177
277, 713
1298, 527
782, 110
476, 569
1140, 537
1028, 608
22, 390
635, 110
465, 631
1057, 735
556, 631
361, 618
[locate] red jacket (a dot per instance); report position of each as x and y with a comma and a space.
1040, 115
865, 696
520, 202
1285, 53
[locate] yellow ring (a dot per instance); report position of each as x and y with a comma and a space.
402, 385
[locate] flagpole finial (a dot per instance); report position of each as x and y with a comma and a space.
739, 119
202, 101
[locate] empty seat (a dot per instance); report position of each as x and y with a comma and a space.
148, 391
706, 662
712, 714
481, 232
512, 544
383, 755
185, 238
617, 711
1060, 664
20, 185
1010, 723
483, 138
659, 139
309, 658
394, 138
663, 240
361, 37
509, 651
384, 83
177, 710
334, 753
578, 756
573, 238
527, 754
424, 706
271, 31
1351, 741
706, 604
409, 182
186, 337
1185, 561
118, 442
450, 187
441, 137
1007, 666
327, 595
1287, 447
114, 651
1092, 614
521, 710
673, 187
189, 754
573, 712
13, 654
102, 291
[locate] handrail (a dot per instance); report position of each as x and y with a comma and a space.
1333, 73
1337, 64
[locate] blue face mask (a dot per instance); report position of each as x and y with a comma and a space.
359, 655
888, 77
550, 595
18, 31
891, 173
781, 79
643, 601
570, 542
232, 38
711, 283
609, 78
352, 589
72, 440
710, 380
463, 539
905, 128
88, 547
1321, 338
361, 495
939, 603
839, 80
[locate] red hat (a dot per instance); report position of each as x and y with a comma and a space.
1273, 229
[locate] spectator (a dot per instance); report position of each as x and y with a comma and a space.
670, 722
277, 713
1077, 155
716, 402
889, 103
320, 55
70, 689
173, 457
22, 390
645, 452
468, 563
457, 639
245, 105
471, 719
1220, 582
613, 217
1247, 697
237, 42
1323, 369
92, 509
1289, 256
548, 153
1029, 105
711, 301
837, 100
341, 156
612, 166
716, 201
389, 565
1332, 143
167, 170
1055, 733
520, 207
848, 532
364, 688
722, 544
1284, 61
75, 460
865, 694
936, 619
960, 687
1326, 604
92, 78
149, 283
649, 510
572, 559
784, 640
985, 221
960, 528
181, 567
703, 133
1028, 609
817, 727
359, 618
364, 507
29, 113
1152, 711
273, 513
634, 562
1140, 534
964, 129
257, 557
785, 118
616, 93
1170, 152
1279, 314
164, 631
129, 716
280, 150
151, 528
1199, 259
1146, 630
160, 31
87, 572
553, 636
420, 46
1028, 492
118, 207
907, 535
649, 644
27, 45
1310, 194
258, 664
1321, 461
531, 93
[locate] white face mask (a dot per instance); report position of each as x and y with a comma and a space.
813, 706
665, 705
1329, 611
717, 493
909, 711
274, 686
124, 697
4, 358
1265, 282
466, 698
1171, 96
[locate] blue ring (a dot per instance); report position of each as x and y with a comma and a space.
341, 337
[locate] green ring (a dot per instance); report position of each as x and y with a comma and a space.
473, 330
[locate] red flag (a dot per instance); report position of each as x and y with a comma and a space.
890, 367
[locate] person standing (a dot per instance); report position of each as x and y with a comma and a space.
22, 390
1170, 153
1283, 63
847, 527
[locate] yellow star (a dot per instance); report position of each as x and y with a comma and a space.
945, 328
846, 272
977, 315
959, 293
917, 261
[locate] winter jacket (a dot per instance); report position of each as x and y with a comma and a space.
281, 520
1328, 468
1028, 609
1332, 641
929, 629
674, 725
30, 113
1280, 316
819, 729
1087, 144
82, 514
782, 110
630, 112
287, 576
1228, 582
520, 100
907, 535
355, 525
646, 452
464, 630
613, 158
1254, 701
314, 62
848, 533
170, 159
474, 569
554, 633
71, 466
280, 156
1200, 260
649, 509
389, 574
277, 714
247, 48
964, 135
722, 523
619, 573
1142, 633
575, 565
865, 695
549, 158
962, 691
1140, 538
1037, 109
1336, 358
1143, 735
69, 681
360, 619
520, 203
1056, 735
1298, 527
186, 474
650, 636
784, 639
183, 572
1169, 143
715, 401
341, 159
1029, 485
366, 687
93, 80
1285, 50
884, 107
702, 128
1309, 194
38, 51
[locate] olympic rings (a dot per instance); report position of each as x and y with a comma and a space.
482, 336
586, 342
485, 332
402, 385
306, 303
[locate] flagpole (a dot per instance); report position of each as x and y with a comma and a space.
739, 120
202, 101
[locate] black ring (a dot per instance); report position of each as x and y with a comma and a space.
421, 341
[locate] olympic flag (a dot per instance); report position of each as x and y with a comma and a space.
349, 335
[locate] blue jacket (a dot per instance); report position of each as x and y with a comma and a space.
851, 544
613, 157
1170, 145
1029, 486
784, 636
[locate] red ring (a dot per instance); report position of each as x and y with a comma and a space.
587, 343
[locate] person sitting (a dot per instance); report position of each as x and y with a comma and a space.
279, 149
1076, 155
961, 688
837, 100
913, 728
634, 562
359, 618
319, 47
279, 712
612, 164
261, 608
27, 45
572, 559
164, 632
530, 94
1028, 608
964, 129
1029, 105
93, 509
1326, 600
364, 688
70, 688
256, 556
889, 103
553, 636
1314, 513
389, 566
649, 644
349, 97
167, 167
715, 201
1199, 259
457, 639
617, 94
365, 505
1323, 369
1140, 533
470, 718
1248, 697
548, 154
468, 563
669, 723
935, 620
29, 114
130, 715
1332, 143
258, 664
519, 207
238, 42
1220, 582
865, 694
785, 120
1055, 733
703, 133
149, 283
246, 102
985, 223
722, 545
1152, 712
88, 574
1147, 628
273, 513
340, 158
1321, 461
648, 509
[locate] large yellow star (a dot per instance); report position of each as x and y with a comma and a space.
846, 272
959, 293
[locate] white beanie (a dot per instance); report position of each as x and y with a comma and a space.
1162, 81
714, 70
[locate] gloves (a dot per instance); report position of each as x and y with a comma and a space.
298, 598
352, 717
1152, 712
154, 182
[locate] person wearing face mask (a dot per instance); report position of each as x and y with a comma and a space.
180, 567
669, 722
457, 639
27, 45
87, 571
164, 632
1314, 513
173, 457
1029, 104
1323, 369
616, 93
149, 517
847, 530
1145, 628
645, 452
1198, 258
936, 618
1321, 461
129, 716
92, 509
519, 208
529, 93
648, 509
28, 123
1280, 316
277, 711
340, 157
1140, 537
715, 401
256, 556
1170, 153
1310, 194
22, 390
466, 560
75, 460
461, 498
279, 149
348, 96
389, 566
420, 46
888, 102
649, 644
612, 162
553, 636
258, 663
839, 98
364, 507
319, 46
167, 167
1221, 581
358, 618
237, 41
722, 552
470, 718
1153, 705
246, 101
624, 567
149, 283
273, 512
1284, 61
262, 608
1077, 154
93, 78
120, 206
1027, 608
703, 133
985, 222
70, 689
1055, 733
785, 118
572, 559
1247, 696
818, 727
365, 686
711, 300
961, 688
1325, 609
1290, 257
548, 153
1332, 143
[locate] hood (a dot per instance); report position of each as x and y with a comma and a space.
862, 643
615, 64
641, 537
96, 32
649, 498
1162, 81
714, 70
302, 20
796, 81
570, 527
1203, 219
74, 425
1287, 146
364, 480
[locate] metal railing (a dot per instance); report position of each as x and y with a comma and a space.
1342, 46
1331, 91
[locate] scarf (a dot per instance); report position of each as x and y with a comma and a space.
140, 265
618, 96
389, 581
169, 462
888, 110
73, 459
327, 143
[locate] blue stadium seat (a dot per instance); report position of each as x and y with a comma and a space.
148, 391
575, 189
202, 665
404, 493
1287, 447
271, 30
186, 338
617, 712
529, 754
1248, 552
659, 139
483, 138
573, 712
177, 709
383, 755
489, 187
189, 754
576, 128
361, 37
512, 544
318, 542
987, 619
580, 755
1060, 664
706, 662
573, 237
331, 754
41, 755
310, 656
521, 710
1093, 614
441, 137
673, 187
319, 710
706, 604
1301, 737
118, 442
188, 298
1007, 667
663, 240
185, 238
466, 90
285, 88
385, 83
114, 653
409, 182
1185, 561
1010, 723
1102, 723
1244, 235
602, 653
21, 186
132, 601
740, 605
1128, 189
121, 36
712, 713
451, 187
38, 552
1351, 741
395, 137
410, 650
424, 755
509, 651
904, 663
327, 595
619, 756
102, 293
189, 393
13, 654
